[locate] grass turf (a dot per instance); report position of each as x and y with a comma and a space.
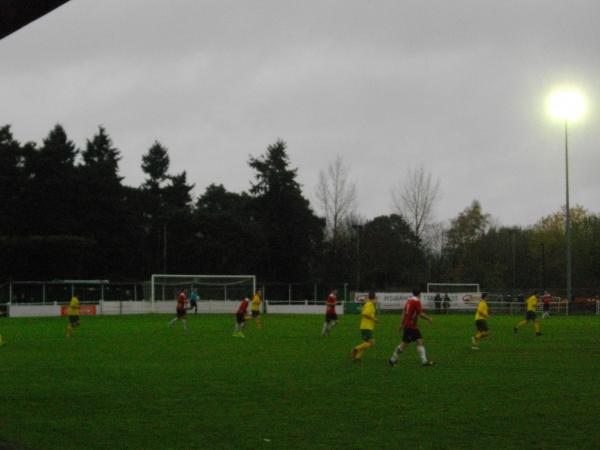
131, 382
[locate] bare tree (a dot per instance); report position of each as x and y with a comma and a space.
414, 198
336, 196
435, 237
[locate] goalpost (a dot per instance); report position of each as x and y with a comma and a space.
166, 287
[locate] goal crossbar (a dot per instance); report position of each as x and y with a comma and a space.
184, 280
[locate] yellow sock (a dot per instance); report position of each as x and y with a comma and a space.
1, 341
362, 347
537, 327
521, 323
69, 330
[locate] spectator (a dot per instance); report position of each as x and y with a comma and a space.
446, 303
437, 301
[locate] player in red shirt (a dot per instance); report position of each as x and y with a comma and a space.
330, 314
241, 316
547, 299
181, 310
412, 311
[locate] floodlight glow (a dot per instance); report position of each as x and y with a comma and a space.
567, 104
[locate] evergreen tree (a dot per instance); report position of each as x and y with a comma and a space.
12, 184
228, 235
390, 254
101, 157
293, 233
167, 213
104, 213
12, 181
136, 260
179, 227
177, 194
52, 244
155, 165
54, 198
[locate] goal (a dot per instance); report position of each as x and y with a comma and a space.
452, 287
165, 287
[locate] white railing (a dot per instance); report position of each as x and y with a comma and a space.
285, 306
497, 307
106, 307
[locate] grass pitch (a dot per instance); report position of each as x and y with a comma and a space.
131, 382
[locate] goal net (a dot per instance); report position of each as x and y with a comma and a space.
165, 288
442, 288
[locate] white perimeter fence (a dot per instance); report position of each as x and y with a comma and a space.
101, 297
388, 302
466, 302
162, 307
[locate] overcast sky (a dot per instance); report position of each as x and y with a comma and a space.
457, 86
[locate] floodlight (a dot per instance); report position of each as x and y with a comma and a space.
566, 104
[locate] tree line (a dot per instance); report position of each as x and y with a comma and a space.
66, 213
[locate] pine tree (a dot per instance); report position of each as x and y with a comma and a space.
12, 181
155, 165
228, 235
104, 213
390, 254
167, 212
55, 197
101, 157
292, 231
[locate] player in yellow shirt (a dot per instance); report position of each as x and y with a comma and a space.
368, 319
531, 316
73, 314
255, 308
481, 316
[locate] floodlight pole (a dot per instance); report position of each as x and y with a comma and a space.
568, 216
